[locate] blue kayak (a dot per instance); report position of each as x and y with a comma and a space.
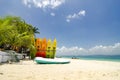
40, 60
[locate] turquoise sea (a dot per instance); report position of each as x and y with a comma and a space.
115, 58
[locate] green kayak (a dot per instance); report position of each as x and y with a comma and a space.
40, 60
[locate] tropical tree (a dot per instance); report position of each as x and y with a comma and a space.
15, 32
6, 31
35, 30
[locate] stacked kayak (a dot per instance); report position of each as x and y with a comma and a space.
41, 60
45, 49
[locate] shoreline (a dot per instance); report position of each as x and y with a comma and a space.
76, 70
111, 58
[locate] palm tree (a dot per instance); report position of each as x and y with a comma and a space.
35, 30
6, 31
17, 33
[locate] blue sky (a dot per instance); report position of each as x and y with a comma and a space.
76, 24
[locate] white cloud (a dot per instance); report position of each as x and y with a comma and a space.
52, 14
68, 20
44, 3
97, 50
75, 15
82, 13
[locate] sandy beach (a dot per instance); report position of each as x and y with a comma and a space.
76, 70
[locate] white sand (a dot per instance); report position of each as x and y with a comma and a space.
76, 70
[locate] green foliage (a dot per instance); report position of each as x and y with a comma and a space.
14, 31
32, 51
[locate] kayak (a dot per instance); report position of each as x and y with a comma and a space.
48, 50
40, 60
53, 50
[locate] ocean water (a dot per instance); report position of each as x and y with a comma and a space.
115, 58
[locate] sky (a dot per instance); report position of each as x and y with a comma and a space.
81, 27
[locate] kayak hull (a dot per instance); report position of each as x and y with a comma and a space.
40, 60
